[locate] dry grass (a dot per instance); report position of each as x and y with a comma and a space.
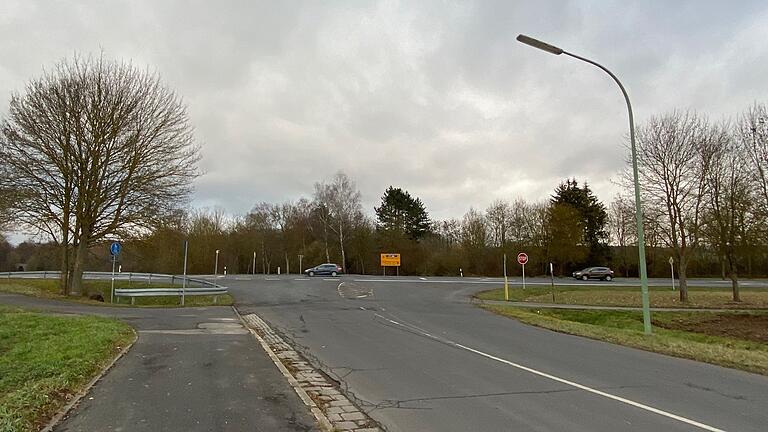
671, 299
625, 328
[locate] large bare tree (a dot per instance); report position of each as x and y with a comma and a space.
95, 150
752, 132
672, 174
338, 202
730, 217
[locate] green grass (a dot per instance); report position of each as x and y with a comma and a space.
626, 328
45, 359
618, 295
49, 288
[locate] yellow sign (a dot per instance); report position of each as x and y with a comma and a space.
390, 260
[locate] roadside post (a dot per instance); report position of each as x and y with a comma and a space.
114, 249
184, 280
522, 258
672, 267
506, 282
552, 275
300, 267
254, 263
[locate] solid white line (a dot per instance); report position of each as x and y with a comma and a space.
566, 382
330, 280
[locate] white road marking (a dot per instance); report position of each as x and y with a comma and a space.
272, 279
338, 289
607, 285
301, 279
423, 278
334, 280
561, 380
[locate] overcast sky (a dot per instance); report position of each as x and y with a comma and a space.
435, 97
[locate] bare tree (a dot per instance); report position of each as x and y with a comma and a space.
339, 204
752, 132
499, 215
622, 227
730, 215
672, 178
95, 150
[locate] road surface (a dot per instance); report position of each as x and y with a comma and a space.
418, 356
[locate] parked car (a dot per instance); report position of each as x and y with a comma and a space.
324, 269
603, 273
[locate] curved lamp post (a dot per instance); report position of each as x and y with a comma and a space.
638, 205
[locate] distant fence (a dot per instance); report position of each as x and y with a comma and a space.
194, 286
147, 278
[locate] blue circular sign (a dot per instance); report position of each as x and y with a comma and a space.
114, 249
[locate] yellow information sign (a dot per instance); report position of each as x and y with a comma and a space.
390, 260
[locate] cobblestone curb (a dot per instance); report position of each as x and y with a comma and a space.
333, 409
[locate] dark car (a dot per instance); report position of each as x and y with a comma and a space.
603, 273
324, 269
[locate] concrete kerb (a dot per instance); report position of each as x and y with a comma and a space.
79, 396
335, 412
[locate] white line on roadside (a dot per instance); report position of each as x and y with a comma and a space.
301, 279
560, 380
423, 278
334, 280
338, 289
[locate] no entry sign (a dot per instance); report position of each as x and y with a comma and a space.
522, 258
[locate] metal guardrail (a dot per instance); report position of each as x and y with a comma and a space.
129, 276
180, 292
205, 288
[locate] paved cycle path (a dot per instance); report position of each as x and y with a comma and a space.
191, 369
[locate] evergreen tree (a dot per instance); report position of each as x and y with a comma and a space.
593, 217
400, 213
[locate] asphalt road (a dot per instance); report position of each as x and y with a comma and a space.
420, 357
191, 369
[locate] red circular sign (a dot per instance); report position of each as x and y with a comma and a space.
522, 258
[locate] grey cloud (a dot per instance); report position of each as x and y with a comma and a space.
435, 97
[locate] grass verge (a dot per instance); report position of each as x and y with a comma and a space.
626, 328
617, 295
46, 359
49, 288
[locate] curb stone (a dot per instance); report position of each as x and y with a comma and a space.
333, 410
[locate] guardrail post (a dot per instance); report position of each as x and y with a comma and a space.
215, 299
173, 280
133, 301
149, 279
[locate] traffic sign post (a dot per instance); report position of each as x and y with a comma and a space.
114, 249
506, 282
672, 267
522, 258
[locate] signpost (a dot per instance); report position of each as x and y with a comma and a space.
522, 258
390, 260
184, 281
672, 266
114, 249
552, 275
506, 282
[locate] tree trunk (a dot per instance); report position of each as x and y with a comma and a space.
682, 270
77, 271
325, 242
341, 245
733, 274
64, 278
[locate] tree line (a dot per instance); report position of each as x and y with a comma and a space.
97, 151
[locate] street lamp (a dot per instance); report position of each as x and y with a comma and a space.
216, 266
638, 206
